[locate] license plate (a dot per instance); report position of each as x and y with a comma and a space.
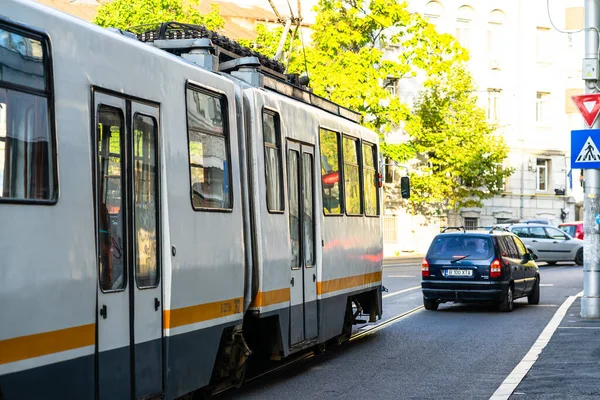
459, 272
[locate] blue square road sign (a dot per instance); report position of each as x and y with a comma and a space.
584, 149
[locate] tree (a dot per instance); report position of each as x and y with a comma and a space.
125, 14
459, 156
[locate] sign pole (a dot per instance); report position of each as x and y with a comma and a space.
590, 302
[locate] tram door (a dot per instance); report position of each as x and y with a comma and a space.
126, 190
303, 290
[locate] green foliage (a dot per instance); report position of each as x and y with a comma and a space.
459, 155
347, 64
125, 14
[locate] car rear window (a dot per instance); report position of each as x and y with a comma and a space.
570, 229
475, 247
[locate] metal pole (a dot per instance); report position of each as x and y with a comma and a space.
522, 181
590, 302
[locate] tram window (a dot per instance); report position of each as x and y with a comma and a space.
145, 201
352, 193
210, 171
110, 199
27, 155
273, 170
330, 172
370, 179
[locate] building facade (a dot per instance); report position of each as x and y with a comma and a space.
525, 72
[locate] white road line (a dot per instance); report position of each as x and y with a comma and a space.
555, 268
543, 305
546, 284
400, 276
579, 327
400, 292
518, 373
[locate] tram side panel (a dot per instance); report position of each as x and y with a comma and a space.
47, 243
265, 326
346, 250
351, 238
50, 317
206, 232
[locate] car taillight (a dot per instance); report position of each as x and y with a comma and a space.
425, 268
495, 269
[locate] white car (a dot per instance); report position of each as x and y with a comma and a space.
550, 244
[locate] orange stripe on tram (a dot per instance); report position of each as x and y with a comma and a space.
201, 312
271, 297
333, 285
41, 344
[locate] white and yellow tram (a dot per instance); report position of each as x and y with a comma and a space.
163, 216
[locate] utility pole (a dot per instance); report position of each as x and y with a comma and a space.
590, 302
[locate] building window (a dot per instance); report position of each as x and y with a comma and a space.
273, 170
330, 172
502, 220
433, 12
542, 107
210, 171
542, 175
389, 229
27, 152
496, 39
463, 26
352, 192
543, 44
471, 223
493, 105
391, 85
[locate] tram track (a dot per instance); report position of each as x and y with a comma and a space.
361, 333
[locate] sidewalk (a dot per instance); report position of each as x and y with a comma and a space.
569, 366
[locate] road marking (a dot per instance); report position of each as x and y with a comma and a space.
401, 276
402, 266
555, 268
546, 284
388, 322
518, 373
542, 305
579, 327
400, 292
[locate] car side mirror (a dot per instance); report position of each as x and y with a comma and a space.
405, 187
533, 256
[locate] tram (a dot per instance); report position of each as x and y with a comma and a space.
169, 209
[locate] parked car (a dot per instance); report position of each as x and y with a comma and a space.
475, 266
550, 244
574, 229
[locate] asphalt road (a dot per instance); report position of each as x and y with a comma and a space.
457, 352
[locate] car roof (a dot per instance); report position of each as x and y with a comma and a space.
495, 232
534, 224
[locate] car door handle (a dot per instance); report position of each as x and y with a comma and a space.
534, 241
103, 312
156, 304
555, 241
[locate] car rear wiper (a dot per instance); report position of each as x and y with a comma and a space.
460, 258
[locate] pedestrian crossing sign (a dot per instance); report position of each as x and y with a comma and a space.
584, 149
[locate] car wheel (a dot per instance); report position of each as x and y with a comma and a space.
551, 262
507, 304
430, 305
579, 257
534, 295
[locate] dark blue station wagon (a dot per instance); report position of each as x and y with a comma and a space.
479, 266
